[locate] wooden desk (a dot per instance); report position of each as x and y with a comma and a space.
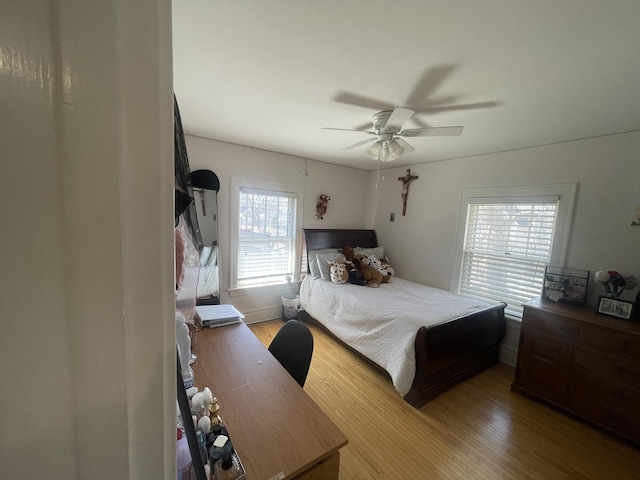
274, 425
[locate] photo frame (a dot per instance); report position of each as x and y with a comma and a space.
615, 307
565, 285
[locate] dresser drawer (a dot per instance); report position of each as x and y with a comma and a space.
620, 398
549, 324
633, 346
603, 339
610, 404
616, 367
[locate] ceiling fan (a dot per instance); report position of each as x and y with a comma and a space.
388, 142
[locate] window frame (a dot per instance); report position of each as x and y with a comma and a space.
294, 191
565, 193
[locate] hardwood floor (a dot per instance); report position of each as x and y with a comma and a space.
477, 430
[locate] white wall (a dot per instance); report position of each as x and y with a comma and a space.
347, 188
87, 346
607, 170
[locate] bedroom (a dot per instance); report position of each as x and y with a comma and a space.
122, 96
420, 244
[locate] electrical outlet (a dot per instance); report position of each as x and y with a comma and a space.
392, 217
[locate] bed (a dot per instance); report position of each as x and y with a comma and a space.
426, 339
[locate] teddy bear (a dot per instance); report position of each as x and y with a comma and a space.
383, 267
371, 274
350, 256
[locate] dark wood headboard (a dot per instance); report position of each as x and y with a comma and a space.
318, 238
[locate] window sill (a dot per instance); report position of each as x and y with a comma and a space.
290, 287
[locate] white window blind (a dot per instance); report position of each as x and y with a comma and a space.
507, 244
266, 236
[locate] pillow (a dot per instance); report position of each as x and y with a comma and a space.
213, 258
313, 263
323, 260
375, 251
205, 253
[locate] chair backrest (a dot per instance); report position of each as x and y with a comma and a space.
293, 347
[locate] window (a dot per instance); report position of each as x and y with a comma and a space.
265, 245
506, 239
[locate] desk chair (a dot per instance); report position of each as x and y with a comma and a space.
293, 347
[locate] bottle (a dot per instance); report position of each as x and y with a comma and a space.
220, 446
225, 468
183, 459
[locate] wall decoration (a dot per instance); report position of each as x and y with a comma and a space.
321, 206
615, 307
406, 181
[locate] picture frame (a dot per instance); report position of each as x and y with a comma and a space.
565, 285
615, 307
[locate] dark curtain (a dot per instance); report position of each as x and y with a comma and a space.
184, 203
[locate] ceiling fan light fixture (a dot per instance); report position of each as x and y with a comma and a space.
373, 152
395, 150
385, 151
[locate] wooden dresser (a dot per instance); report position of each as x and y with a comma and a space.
583, 362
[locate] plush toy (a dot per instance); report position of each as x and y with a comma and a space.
390, 272
338, 272
347, 251
371, 274
383, 267
355, 277
321, 206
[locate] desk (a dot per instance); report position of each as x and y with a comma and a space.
274, 425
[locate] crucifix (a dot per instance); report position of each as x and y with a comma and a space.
406, 180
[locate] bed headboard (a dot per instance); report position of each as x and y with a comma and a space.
318, 238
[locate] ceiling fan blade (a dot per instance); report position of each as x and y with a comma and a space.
432, 132
355, 145
428, 83
362, 101
398, 117
468, 106
349, 130
407, 148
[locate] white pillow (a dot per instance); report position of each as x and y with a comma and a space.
375, 251
213, 258
313, 262
205, 253
323, 263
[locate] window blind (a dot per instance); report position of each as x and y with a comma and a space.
506, 248
266, 237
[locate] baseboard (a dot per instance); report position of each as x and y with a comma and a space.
508, 357
262, 315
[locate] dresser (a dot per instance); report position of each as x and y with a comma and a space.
583, 362
277, 429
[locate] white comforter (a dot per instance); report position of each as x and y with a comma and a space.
381, 323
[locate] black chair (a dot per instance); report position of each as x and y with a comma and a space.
293, 347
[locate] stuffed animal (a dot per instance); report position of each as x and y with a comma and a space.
321, 206
347, 251
371, 274
355, 277
338, 272
390, 272
383, 267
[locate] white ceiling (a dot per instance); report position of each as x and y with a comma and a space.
269, 73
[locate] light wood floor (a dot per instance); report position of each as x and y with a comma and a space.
477, 430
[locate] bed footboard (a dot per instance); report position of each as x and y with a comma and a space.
451, 352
